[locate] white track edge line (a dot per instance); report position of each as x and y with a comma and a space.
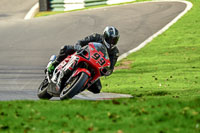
32, 11
189, 6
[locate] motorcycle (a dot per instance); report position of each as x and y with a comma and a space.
75, 73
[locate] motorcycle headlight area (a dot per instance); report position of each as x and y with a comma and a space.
72, 62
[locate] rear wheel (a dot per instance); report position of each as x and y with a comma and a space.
74, 87
42, 90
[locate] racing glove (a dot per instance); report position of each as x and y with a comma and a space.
106, 72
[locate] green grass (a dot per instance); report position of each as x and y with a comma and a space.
169, 64
128, 115
164, 78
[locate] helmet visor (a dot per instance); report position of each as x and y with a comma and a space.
112, 40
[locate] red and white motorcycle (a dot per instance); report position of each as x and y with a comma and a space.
76, 73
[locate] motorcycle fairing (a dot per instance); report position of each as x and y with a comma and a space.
90, 55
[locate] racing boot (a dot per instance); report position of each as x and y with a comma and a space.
51, 67
52, 64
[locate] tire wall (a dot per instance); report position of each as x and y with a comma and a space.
67, 5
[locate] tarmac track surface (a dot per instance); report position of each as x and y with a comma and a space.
12, 10
25, 46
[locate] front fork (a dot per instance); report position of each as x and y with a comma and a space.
76, 73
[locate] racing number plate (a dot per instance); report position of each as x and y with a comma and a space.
100, 60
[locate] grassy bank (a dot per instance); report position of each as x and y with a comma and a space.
163, 77
157, 115
169, 65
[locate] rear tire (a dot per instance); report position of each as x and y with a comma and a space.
75, 87
42, 90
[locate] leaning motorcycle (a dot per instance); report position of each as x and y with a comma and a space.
75, 73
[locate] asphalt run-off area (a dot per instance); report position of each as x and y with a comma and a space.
26, 45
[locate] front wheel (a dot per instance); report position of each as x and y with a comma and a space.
42, 90
74, 87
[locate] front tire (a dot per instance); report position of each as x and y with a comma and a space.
42, 90
74, 87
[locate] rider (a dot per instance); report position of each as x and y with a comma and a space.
109, 39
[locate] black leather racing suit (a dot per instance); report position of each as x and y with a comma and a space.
68, 50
